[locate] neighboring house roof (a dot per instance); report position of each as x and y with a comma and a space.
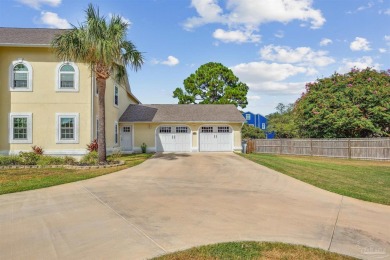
37, 37
182, 113
249, 112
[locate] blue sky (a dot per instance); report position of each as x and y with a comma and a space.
274, 46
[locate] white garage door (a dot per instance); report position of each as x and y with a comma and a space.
216, 139
173, 139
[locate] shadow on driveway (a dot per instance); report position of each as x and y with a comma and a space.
170, 156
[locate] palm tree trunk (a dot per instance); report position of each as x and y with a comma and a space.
101, 84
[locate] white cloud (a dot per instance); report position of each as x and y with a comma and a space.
263, 71
360, 44
387, 11
382, 50
360, 63
254, 97
361, 8
300, 55
248, 15
279, 88
170, 61
279, 34
36, 4
269, 78
387, 39
236, 36
254, 13
54, 21
325, 42
124, 19
209, 12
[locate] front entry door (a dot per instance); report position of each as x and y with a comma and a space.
126, 138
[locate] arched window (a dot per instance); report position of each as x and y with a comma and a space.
20, 76
67, 77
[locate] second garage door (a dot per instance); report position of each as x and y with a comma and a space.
215, 139
173, 139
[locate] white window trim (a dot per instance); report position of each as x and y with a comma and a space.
76, 116
11, 128
248, 116
116, 87
116, 132
263, 126
76, 77
11, 76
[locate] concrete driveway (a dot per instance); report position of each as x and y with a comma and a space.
177, 201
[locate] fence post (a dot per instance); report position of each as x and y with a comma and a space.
349, 149
311, 147
280, 148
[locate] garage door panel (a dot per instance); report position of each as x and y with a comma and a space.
207, 142
177, 140
215, 139
182, 142
224, 141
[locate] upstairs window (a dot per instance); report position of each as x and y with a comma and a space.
20, 76
67, 77
248, 116
263, 126
116, 95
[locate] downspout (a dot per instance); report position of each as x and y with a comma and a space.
92, 99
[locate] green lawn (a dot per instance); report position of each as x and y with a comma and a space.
252, 250
365, 180
14, 180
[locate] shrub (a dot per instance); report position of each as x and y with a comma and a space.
93, 146
69, 160
37, 149
115, 156
143, 147
91, 158
10, 160
29, 158
50, 160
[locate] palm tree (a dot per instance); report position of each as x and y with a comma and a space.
104, 47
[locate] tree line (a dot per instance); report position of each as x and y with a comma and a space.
351, 105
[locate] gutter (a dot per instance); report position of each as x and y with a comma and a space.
24, 45
92, 99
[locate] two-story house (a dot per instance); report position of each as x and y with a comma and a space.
48, 102
255, 120
259, 121
52, 103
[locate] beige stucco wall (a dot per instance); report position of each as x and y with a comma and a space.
43, 102
146, 132
113, 112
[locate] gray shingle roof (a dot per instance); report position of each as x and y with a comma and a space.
39, 37
182, 113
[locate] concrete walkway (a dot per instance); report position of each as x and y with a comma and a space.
174, 202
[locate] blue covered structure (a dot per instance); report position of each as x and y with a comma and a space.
258, 121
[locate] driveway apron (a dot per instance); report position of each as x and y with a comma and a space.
176, 201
